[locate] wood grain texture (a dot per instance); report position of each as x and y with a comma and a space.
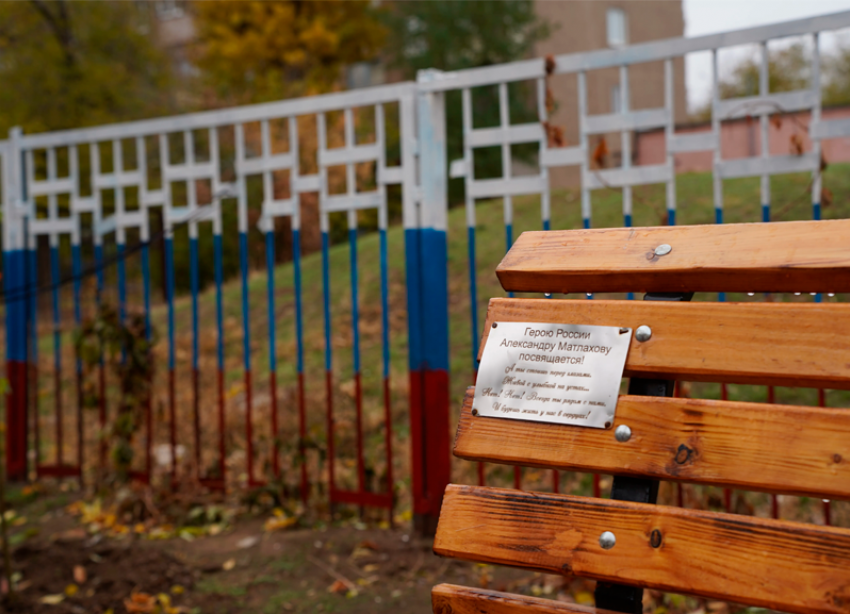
788, 566
752, 446
771, 257
783, 344
452, 599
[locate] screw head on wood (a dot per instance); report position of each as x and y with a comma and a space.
623, 433
663, 250
607, 540
643, 333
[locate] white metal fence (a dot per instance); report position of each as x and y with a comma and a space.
31, 201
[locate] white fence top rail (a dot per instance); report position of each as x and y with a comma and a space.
223, 117
634, 54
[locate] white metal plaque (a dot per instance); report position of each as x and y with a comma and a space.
559, 373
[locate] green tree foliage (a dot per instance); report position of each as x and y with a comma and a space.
255, 51
789, 69
70, 64
451, 35
836, 78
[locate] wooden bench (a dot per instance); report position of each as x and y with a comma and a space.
788, 566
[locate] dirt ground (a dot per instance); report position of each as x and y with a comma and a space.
246, 569
72, 555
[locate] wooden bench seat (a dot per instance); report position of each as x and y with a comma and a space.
788, 566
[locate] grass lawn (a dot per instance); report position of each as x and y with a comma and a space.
791, 201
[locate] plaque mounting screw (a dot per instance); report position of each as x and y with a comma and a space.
495, 325
607, 540
623, 433
474, 412
663, 249
643, 333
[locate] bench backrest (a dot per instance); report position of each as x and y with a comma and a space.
787, 449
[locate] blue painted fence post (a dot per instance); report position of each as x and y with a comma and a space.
428, 315
16, 288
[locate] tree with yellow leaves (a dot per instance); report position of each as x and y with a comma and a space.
256, 51
71, 64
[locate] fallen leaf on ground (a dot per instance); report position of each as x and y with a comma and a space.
52, 599
247, 542
339, 587
80, 574
71, 535
584, 598
140, 603
71, 590
229, 564
278, 524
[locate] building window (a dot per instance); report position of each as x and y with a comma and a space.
615, 99
618, 34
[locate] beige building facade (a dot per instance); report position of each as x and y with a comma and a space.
586, 25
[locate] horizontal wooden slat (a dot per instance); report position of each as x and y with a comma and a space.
784, 344
453, 599
777, 448
788, 566
773, 257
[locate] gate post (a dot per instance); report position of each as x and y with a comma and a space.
428, 314
15, 288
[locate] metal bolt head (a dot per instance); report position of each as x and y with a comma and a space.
663, 249
643, 333
623, 433
607, 540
